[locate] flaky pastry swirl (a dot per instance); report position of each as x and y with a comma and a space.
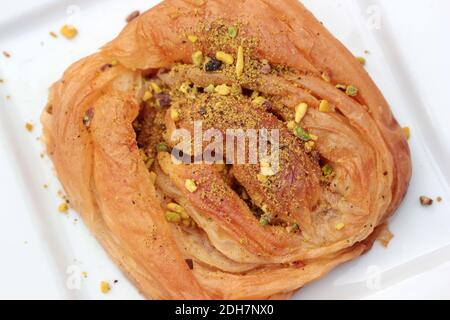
101, 137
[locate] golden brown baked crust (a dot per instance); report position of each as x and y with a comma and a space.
233, 255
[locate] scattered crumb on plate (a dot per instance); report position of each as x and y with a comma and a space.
426, 201
69, 31
29, 127
105, 287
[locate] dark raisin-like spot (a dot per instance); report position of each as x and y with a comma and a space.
267, 105
164, 100
213, 65
105, 67
87, 119
190, 263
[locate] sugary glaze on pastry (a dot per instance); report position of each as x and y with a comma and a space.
200, 231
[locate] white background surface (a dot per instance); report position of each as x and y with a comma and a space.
42, 250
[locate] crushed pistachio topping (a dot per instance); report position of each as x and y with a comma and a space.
361, 60
162, 147
407, 132
210, 89
185, 87
174, 207
174, 114
261, 178
291, 125
197, 58
192, 38
186, 223
232, 31
264, 221
223, 90
155, 87
259, 100
351, 91
114, 62
326, 76
190, 185
302, 134
147, 96
172, 217
340, 226
224, 57
69, 31
105, 287
153, 175
254, 95
324, 106
327, 170
300, 112
309, 145
63, 207
240, 62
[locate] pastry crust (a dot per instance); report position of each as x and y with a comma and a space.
109, 184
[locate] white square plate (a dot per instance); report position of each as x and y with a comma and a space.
44, 253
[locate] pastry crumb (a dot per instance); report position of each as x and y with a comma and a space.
385, 237
133, 15
439, 199
425, 201
6, 54
53, 34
